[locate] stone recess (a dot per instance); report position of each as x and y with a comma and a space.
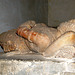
18, 67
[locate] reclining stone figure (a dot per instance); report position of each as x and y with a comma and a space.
41, 38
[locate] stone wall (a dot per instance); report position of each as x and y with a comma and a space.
60, 11
35, 10
15, 12
50, 12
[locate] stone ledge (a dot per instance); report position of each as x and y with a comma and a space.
18, 67
30, 67
67, 73
35, 64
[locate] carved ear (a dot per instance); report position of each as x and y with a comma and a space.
41, 40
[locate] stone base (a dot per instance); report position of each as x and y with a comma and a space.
35, 65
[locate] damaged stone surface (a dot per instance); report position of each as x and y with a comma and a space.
18, 67
65, 52
10, 41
